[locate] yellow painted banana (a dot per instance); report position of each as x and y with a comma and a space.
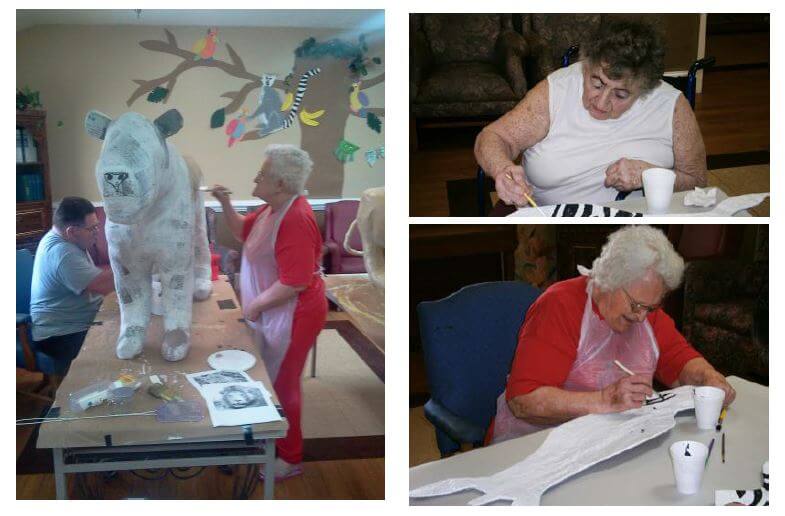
287, 101
310, 118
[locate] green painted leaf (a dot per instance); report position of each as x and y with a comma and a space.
377, 60
374, 122
217, 119
158, 94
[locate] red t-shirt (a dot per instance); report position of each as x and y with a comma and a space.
298, 251
548, 340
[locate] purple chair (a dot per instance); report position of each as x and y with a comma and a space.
338, 217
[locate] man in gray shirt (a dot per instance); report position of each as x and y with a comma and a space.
67, 287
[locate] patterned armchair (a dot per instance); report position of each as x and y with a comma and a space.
726, 305
465, 65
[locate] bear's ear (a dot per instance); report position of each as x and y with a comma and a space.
169, 123
96, 123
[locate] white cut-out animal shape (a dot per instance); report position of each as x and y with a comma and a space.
568, 450
370, 221
155, 225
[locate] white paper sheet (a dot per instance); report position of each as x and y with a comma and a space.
232, 404
199, 380
568, 450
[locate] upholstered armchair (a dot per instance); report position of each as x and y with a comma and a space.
465, 65
726, 304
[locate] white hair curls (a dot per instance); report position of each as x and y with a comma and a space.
289, 164
630, 252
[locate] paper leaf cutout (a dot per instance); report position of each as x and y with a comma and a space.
374, 122
217, 119
376, 60
158, 94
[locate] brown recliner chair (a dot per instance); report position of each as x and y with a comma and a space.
465, 65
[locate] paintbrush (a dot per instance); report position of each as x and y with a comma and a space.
211, 189
711, 445
722, 418
621, 366
531, 201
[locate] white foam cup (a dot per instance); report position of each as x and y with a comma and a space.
658, 188
688, 465
708, 405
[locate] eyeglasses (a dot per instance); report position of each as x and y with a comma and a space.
637, 307
91, 229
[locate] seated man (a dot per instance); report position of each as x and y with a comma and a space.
67, 287
575, 332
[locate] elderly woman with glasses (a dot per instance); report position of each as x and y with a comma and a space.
575, 332
588, 131
281, 286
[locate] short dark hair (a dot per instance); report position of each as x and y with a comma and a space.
72, 212
627, 48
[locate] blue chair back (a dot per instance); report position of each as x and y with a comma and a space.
469, 340
24, 279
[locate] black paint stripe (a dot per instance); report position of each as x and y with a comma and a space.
587, 210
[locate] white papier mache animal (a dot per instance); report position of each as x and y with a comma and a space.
370, 222
155, 225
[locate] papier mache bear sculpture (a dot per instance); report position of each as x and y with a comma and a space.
370, 222
155, 226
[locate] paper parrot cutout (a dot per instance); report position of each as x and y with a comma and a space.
358, 100
236, 128
205, 47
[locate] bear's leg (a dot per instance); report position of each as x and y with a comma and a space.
134, 290
177, 302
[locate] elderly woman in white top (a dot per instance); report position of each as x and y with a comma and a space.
589, 130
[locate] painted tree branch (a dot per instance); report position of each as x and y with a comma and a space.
236, 68
372, 82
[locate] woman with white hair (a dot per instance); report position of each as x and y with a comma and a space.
564, 366
281, 286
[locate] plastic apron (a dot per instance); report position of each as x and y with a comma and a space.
259, 270
593, 369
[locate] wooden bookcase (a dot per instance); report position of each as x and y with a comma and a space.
34, 194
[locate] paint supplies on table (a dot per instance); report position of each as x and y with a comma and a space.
170, 412
117, 391
162, 391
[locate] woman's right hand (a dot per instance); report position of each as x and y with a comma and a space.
628, 393
220, 193
512, 186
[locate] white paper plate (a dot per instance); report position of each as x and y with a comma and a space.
232, 359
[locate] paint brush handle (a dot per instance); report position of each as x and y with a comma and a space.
210, 189
623, 368
528, 198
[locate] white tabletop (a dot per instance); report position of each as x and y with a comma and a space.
640, 476
636, 203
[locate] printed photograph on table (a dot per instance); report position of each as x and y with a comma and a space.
550, 364
200, 254
589, 115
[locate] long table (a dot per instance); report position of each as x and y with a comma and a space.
362, 301
640, 476
140, 442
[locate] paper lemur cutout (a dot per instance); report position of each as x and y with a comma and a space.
564, 452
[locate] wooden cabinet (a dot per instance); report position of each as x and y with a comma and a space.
33, 191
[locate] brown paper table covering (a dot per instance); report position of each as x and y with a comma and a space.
213, 329
362, 302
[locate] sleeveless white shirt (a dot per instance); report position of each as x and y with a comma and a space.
569, 164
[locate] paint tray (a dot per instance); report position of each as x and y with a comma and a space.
175, 411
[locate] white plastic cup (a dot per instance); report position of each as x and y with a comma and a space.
658, 188
708, 405
688, 468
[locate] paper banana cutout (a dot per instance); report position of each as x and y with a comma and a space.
310, 118
287, 101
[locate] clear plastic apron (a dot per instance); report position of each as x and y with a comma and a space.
593, 369
259, 270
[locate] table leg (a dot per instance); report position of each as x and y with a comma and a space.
269, 468
61, 487
313, 361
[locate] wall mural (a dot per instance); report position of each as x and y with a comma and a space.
323, 89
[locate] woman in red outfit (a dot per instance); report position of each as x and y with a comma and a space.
577, 329
281, 286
